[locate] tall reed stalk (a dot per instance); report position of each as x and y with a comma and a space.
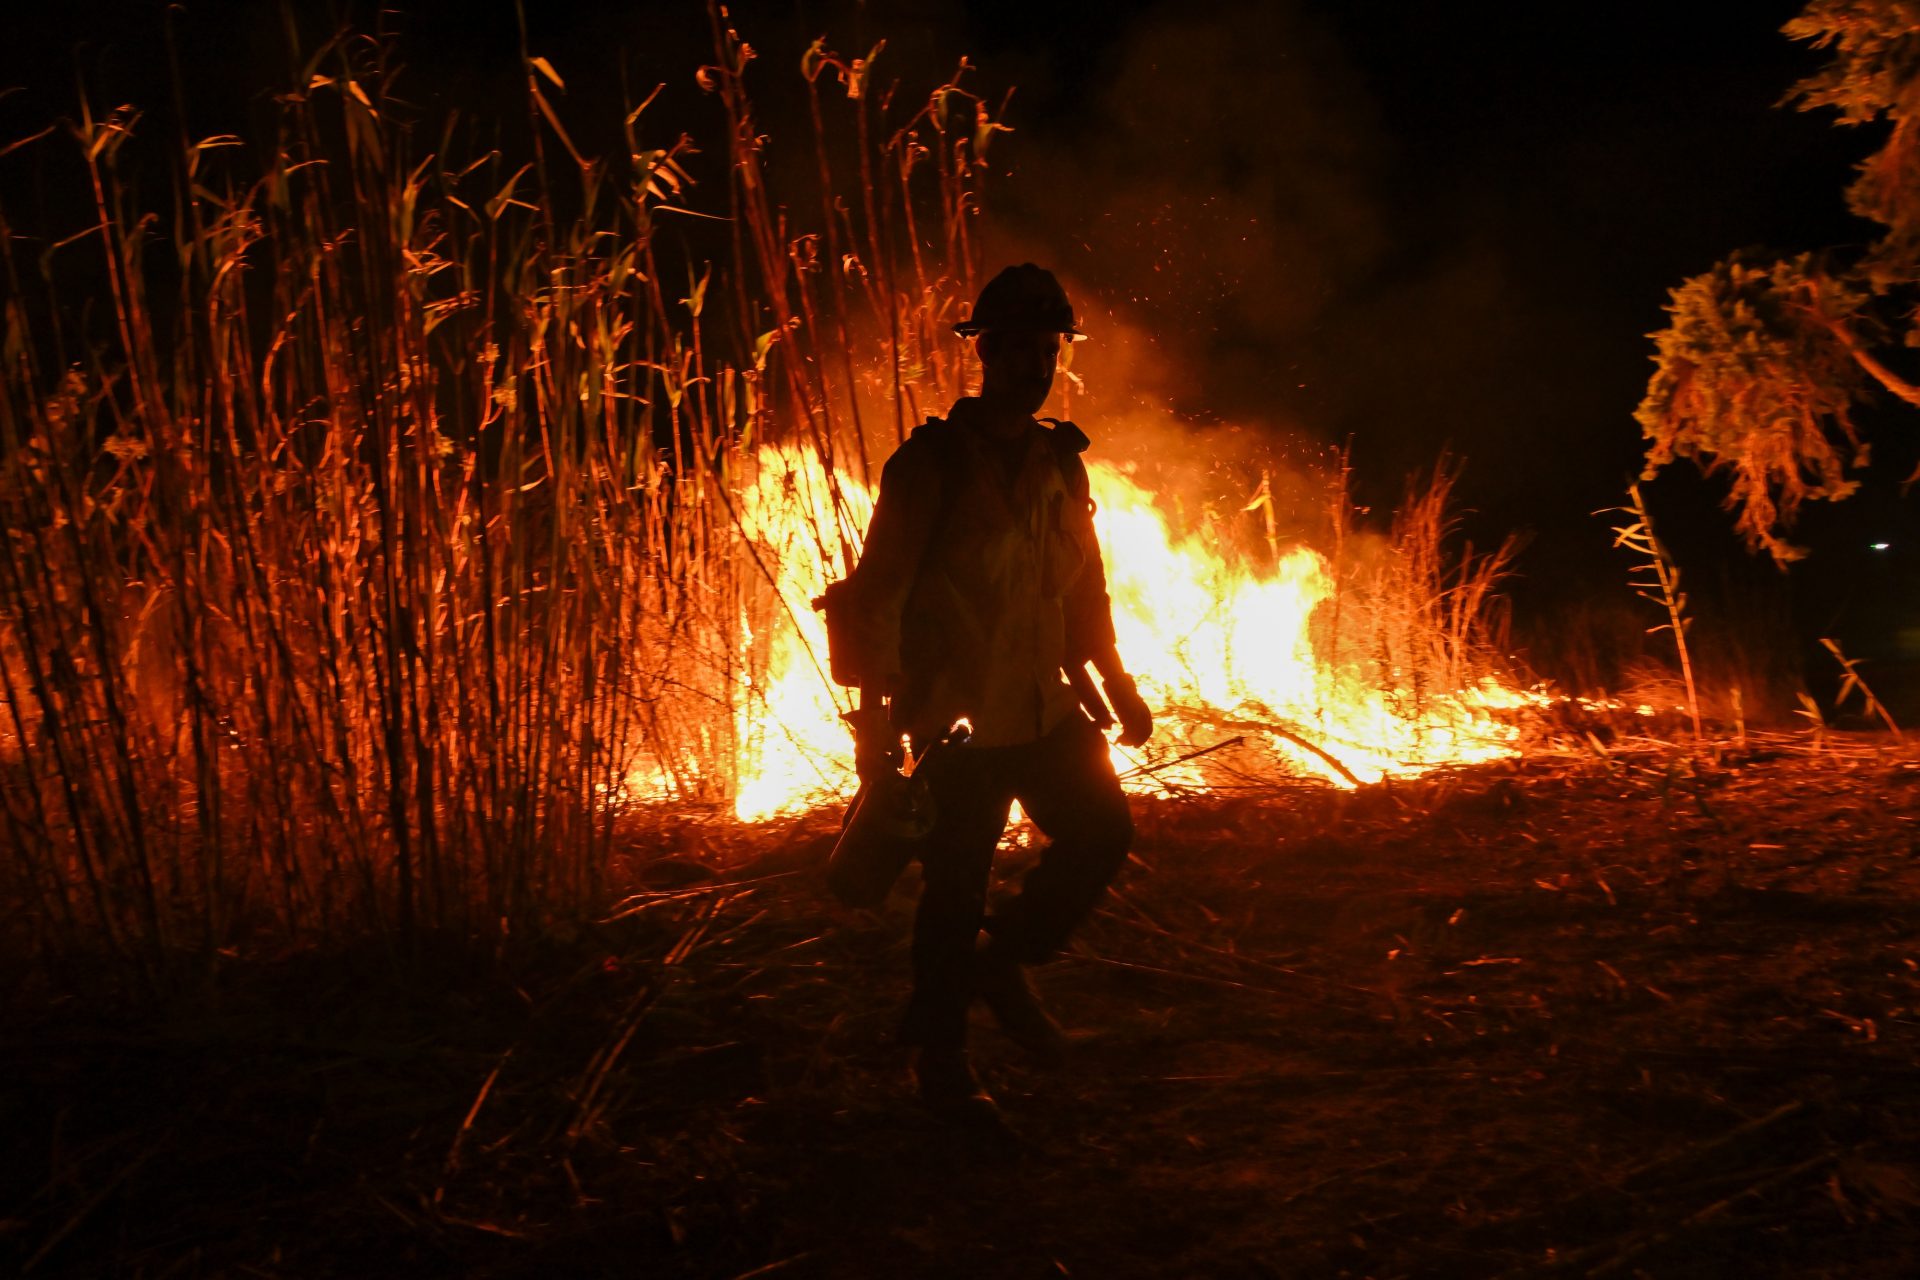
421, 521
367, 584
1420, 617
1660, 583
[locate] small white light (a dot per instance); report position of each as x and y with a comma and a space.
1879, 546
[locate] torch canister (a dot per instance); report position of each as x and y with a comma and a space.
889, 820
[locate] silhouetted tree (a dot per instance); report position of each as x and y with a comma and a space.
1765, 359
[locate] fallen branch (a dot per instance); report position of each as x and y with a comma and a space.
1565, 1208
1275, 729
1147, 771
634, 903
1216, 981
1710, 1145
1237, 957
93, 1202
1658, 1235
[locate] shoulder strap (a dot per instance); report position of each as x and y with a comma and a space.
1066, 436
941, 439
1069, 442
940, 435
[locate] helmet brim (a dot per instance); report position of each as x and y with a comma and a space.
969, 329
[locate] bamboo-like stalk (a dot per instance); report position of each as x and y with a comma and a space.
377, 590
1662, 587
1852, 682
390, 585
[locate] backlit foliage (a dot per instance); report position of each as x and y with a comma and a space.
1873, 75
1763, 362
1755, 380
368, 589
440, 556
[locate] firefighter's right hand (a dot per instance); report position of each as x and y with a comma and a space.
1136, 722
876, 747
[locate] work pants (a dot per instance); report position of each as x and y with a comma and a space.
1066, 784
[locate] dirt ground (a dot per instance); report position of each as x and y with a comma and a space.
1615, 1016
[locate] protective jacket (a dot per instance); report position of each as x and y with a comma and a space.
980, 577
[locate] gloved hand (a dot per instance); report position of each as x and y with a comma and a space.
1136, 722
876, 746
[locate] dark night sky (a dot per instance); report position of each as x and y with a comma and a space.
1523, 183
1414, 225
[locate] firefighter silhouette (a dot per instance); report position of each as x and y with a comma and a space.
968, 625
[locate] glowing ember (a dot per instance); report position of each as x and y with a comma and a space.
1219, 649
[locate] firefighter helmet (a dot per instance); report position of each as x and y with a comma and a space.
1023, 297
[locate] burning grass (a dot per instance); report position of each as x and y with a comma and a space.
374, 590
415, 585
412, 541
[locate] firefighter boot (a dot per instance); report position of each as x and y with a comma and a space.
1001, 982
949, 1088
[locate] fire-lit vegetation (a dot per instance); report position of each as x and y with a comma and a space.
1767, 359
416, 759
419, 518
374, 588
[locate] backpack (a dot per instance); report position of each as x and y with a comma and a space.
836, 603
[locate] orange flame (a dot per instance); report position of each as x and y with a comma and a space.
1220, 643
1215, 645
793, 749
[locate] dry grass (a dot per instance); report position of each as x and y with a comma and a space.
390, 577
374, 592
1431, 621
1546, 1017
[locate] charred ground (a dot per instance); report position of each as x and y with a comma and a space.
1556, 1017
